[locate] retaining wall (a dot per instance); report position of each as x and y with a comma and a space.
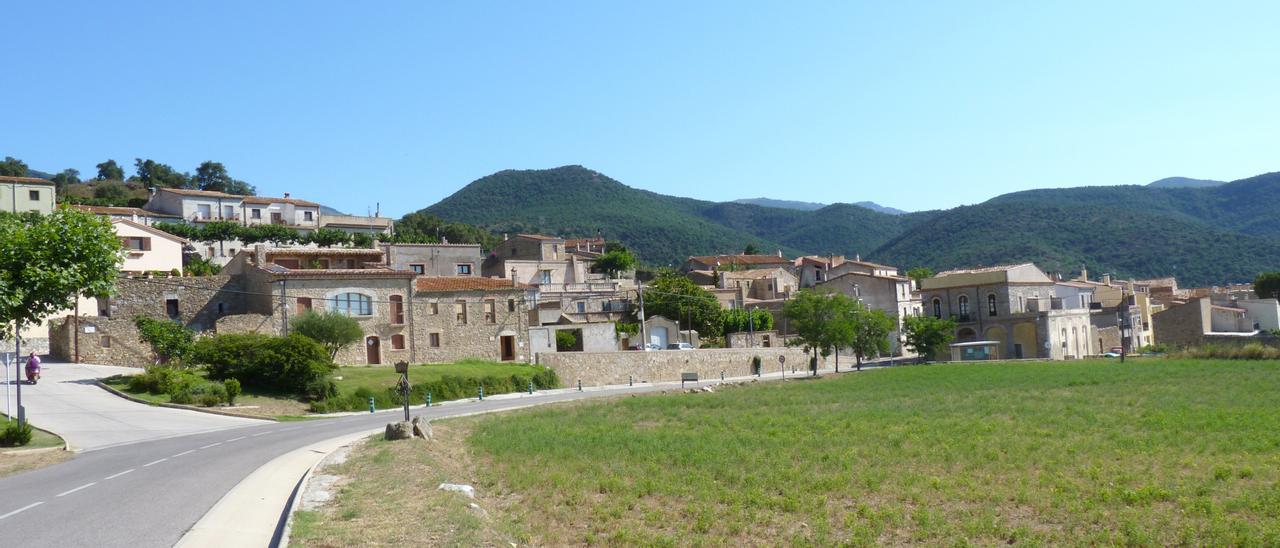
601, 368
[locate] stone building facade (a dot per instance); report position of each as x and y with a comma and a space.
459, 318
892, 294
603, 368
435, 259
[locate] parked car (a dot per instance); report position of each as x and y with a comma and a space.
646, 347
679, 346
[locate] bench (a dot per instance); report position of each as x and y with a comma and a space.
688, 377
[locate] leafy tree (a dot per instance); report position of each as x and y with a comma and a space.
614, 262
181, 230
333, 330
422, 227
170, 341
110, 171
67, 177
927, 335
677, 298
153, 173
13, 167
213, 176
276, 234
1267, 285
751, 249
871, 328
198, 266
740, 320
919, 273
823, 322
113, 192
329, 237
293, 364
565, 340
360, 239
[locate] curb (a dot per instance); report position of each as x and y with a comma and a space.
209, 410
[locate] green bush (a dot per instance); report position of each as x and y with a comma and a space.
232, 387
446, 388
1248, 351
293, 364
169, 340
565, 340
14, 435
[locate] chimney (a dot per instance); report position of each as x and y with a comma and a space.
1084, 273
857, 257
260, 254
779, 253
504, 236
1106, 279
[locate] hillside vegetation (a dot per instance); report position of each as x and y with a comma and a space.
1203, 234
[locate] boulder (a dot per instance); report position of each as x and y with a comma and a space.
422, 428
467, 490
401, 430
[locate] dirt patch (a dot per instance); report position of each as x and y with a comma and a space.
15, 463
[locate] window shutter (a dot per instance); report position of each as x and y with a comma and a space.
146, 244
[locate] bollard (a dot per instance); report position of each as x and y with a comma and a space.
579, 385
721, 375
630, 381
370, 404
530, 388
428, 399
482, 392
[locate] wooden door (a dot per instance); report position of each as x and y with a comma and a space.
508, 348
375, 350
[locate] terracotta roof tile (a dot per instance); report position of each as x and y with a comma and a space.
323, 251
37, 180
462, 283
204, 193
999, 268
112, 210
538, 237
739, 259
264, 200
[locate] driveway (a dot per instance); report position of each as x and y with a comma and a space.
68, 403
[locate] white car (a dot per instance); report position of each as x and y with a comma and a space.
680, 346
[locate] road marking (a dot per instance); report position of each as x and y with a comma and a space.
154, 462
212, 445
114, 476
187, 452
262, 433
85, 486
24, 508
235, 439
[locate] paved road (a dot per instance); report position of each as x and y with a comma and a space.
148, 494
88, 417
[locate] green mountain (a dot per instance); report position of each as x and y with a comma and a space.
1183, 182
1203, 235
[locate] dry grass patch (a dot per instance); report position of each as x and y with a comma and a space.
388, 497
22, 461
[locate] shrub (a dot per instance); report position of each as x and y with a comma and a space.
1248, 351
14, 435
232, 387
292, 364
565, 340
334, 330
169, 340
445, 389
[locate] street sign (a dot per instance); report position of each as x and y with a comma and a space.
782, 359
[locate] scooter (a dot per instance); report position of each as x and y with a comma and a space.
33, 372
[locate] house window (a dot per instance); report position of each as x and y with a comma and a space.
544, 277
418, 269
513, 252
963, 301
104, 341
308, 216
937, 308
397, 309
460, 312
397, 342
221, 309
136, 243
464, 270
255, 213
511, 305
991, 304
582, 308
490, 311
304, 304
33, 195
433, 308
171, 307
434, 340
352, 304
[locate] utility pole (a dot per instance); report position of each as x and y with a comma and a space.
644, 331
284, 310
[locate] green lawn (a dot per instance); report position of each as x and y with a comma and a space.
1153, 452
378, 378
39, 438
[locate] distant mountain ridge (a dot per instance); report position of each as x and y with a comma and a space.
1206, 235
813, 206
1184, 182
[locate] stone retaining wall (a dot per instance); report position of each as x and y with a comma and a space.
601, 368
104, 341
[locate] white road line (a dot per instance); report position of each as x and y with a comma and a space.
212, 445
85, 486
235, 439
24, 508
114, 476
154, 462
187, 452
262, 433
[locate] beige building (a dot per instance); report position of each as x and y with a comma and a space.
567, 290
459, 317
1012, 305
891, 293
147, 249
23, 194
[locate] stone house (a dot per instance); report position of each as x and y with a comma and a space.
890, 293
567, 290
459, 317
760, 284
23, 194
724, 263
435, 259
1200, 321
1011, 305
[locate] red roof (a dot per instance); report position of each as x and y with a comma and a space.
712, 260
263, 200
463, 283
11, 179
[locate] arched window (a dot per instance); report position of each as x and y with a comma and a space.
397, 310
937, 308
964, 306
352, 304
397, 342
991, 304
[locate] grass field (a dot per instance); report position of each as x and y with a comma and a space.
1150, 452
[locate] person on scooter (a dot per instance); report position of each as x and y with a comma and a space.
33, 368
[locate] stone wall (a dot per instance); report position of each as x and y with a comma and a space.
39, 345
601, 368
478, 337
201, 299
1182, 325
103, 341
762, 339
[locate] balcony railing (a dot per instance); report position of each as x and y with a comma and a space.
962, 317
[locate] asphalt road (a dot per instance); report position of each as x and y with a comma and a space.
150, 493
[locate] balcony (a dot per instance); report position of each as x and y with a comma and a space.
961, 318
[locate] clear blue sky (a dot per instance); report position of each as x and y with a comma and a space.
915, 105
